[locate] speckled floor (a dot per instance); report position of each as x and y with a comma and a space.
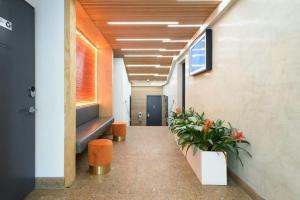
148, 166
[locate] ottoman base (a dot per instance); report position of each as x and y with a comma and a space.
99, 170
119, 138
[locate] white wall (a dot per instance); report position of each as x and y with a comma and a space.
171, 90
121, 91
255, 84
49, 79
174, 88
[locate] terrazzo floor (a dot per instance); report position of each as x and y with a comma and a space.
148, 166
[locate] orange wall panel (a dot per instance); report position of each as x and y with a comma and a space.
104, 64
86, 56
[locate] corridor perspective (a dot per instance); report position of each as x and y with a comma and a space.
149, 99
148, 166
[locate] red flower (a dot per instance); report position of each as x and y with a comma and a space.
178, 110
238, 135
207, 124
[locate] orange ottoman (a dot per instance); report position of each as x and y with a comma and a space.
100, 156
119, 131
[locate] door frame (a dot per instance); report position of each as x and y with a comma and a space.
147, 107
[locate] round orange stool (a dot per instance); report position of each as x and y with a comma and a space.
100, 156
119, 131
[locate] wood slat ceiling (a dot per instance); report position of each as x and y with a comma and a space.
185, 12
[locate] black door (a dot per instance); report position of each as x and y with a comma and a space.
154, 111
17, 120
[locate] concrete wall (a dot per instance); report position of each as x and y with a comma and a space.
49, 78
121, 92
255, 84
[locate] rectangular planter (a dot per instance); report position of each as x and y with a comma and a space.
210, 167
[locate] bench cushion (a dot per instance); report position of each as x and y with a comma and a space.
91, 130
86, 113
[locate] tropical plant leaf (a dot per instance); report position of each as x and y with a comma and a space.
189, 127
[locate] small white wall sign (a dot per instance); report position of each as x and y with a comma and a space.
5, 23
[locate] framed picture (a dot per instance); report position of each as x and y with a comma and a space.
201, 54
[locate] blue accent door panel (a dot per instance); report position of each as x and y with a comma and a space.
154, 110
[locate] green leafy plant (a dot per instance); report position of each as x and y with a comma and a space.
193, 130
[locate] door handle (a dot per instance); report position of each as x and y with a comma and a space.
32, 92
148, 115
32, 109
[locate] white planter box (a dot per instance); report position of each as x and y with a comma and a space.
209, 166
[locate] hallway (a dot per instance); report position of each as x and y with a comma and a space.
148, 165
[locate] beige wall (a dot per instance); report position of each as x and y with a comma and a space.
255, 84
138, 102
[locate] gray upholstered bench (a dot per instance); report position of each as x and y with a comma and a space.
89, 126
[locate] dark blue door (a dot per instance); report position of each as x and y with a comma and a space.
154, 111
17, 118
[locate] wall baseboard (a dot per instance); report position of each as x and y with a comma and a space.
249, 190
49, 183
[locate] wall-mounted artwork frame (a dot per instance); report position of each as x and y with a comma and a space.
200, 54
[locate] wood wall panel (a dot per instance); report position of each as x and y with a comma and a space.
184, 12
105, 55
85, 71
70, 93
139, 102
105, 82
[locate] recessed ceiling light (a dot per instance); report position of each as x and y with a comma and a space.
161, 75
153, 56
167, 67
171, 50
143, 23
142, 39
143, 49
162, 56
184, 25
85, 39
150, 74
191, 0
176, 41
131, 74
139, 74
143, 65
141, 56
157, 49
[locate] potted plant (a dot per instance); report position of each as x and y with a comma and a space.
206, 144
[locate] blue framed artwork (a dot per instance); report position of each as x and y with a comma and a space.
201, 53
